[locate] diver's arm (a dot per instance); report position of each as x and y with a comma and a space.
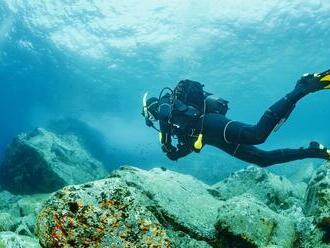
172, 152
181, 151
164, 125
165, 137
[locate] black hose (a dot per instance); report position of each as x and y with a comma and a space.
161, 92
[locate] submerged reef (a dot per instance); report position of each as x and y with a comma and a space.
162, 208
42, 162
133, 207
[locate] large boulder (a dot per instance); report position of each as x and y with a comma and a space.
247, 222
277, 192
133, 208
318, 198
90, 138
42, 162
303, 173
181, 199
98, 214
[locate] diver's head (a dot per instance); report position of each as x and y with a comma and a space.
150, 109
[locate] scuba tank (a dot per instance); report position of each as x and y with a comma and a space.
216, 105
190, 100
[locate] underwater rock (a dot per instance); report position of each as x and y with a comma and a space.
7, 222
7, 200
139, 208
18, 213
277, 192
42, 162
13, 240
180, 239
318, 198
133, 208
98, 214
29, 207
303, 173
181, 200
90, 138
247, 222
31, 204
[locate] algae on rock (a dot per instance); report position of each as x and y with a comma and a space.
133, 208
98, 214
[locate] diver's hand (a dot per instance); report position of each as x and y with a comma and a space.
168, 148
172, 156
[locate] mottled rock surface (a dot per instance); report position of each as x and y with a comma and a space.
13, 240
162, 208
42, 162
276, 192
318, 196
133, 208
317, 202
18, 213
179, 210
181, 199
7, 222
99, 214
247, 222
303, 173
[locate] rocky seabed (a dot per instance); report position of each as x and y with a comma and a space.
132, 207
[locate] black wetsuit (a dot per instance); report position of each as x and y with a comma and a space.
233, 137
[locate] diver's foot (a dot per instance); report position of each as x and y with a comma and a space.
325, 152
313, 82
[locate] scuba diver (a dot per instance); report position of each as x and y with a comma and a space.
195, 118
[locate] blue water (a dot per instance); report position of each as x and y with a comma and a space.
93, 60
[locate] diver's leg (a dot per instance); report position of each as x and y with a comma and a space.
263, 158
240, 133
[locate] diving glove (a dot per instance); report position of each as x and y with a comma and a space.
172, 156
168, 148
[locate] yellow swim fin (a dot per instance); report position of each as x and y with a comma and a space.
325, 77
